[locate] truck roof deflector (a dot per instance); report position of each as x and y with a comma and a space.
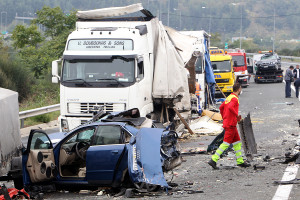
112, 12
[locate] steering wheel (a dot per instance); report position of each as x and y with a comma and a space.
81, 148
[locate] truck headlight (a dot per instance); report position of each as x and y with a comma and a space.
64, 125
229, 87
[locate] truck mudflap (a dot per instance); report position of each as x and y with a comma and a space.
148, 152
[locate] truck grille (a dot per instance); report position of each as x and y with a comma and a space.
222, 80
86, 108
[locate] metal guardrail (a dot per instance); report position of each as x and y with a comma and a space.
37, 111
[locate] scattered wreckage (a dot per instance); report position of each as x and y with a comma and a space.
110, 150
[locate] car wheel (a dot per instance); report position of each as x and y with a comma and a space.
18, 182
149, 187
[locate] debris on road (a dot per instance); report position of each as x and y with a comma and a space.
258, 167
190, 151
247, 136
12, 193
206, 126
294, 181
212, 115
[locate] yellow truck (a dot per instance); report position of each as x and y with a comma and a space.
223, 70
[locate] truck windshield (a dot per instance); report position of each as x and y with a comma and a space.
116, 70
221, 66
239, 60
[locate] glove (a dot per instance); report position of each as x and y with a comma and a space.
239, 118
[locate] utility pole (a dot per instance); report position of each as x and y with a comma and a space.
274, 33
168, 12
4, 12
209, 21
241, 27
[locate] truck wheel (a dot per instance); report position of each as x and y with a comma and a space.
18, 182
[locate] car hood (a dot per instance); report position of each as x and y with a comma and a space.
57, 137
144, 157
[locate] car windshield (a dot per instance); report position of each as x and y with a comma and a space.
99, 70
221, 66
269, 57
239, 60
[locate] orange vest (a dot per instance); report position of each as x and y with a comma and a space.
198, 89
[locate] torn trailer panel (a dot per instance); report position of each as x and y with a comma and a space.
247, 136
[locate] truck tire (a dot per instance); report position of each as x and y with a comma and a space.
18, 182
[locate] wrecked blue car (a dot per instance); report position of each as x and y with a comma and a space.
101, 154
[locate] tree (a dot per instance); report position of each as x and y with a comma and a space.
37, 52
55, 21
215, 40
26, 36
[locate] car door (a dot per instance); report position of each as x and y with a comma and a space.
40, 164
105, 154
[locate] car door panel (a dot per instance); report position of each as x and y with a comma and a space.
40, 169
40, 164
102, 161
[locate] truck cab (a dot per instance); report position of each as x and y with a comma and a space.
223, 70
105, 67
239, 66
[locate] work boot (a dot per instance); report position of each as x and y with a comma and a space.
244, 165
213, 164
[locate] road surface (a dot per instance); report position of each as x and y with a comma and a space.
276, 130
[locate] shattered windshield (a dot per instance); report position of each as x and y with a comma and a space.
117, 70
221, 66
269, 57
239, 61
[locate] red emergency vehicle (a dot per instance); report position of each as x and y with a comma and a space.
240, 66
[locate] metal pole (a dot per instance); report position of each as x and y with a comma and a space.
5, 21
241, 27
23, 17
209, 21
180, 22
274, 32
168, 12
1, 22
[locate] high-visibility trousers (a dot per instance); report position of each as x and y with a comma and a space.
231, 137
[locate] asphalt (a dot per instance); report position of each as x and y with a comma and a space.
276, 129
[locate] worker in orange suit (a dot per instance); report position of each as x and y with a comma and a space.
197, 93
229, 111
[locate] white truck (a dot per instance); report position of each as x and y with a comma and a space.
121, 63
10, 142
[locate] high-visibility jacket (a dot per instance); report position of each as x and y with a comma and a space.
229, 110
198, 89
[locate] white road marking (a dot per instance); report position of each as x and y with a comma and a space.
283, 191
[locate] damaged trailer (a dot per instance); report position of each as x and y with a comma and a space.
101, 154
10, 142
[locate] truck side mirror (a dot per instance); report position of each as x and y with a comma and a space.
140, 72
55, 76
248, 61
